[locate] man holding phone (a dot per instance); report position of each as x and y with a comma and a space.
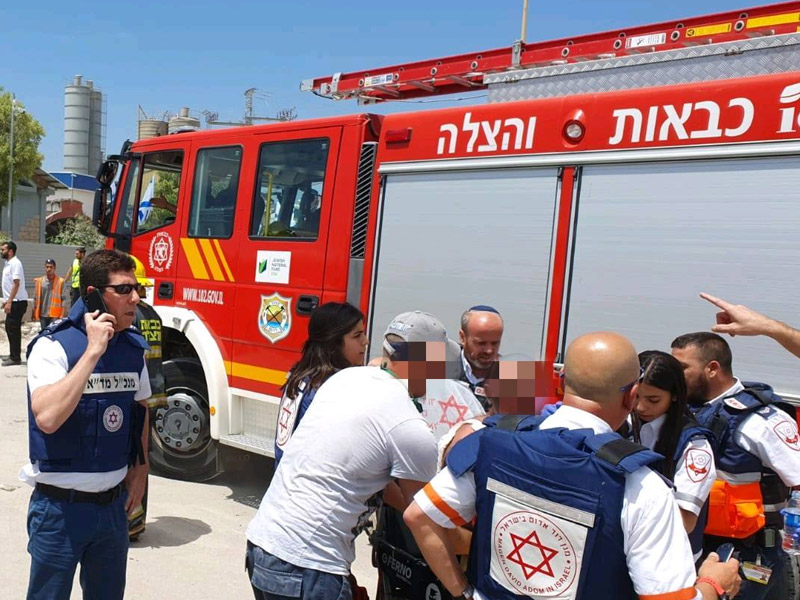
87, 392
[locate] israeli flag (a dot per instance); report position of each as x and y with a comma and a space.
146, 205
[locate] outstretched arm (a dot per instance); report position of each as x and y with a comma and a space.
735, 319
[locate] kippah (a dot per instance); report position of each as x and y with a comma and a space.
485, 308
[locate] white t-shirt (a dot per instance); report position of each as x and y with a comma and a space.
447, 403
12, 271
48, 364
360, 432
695, 471
770, 435
656, 547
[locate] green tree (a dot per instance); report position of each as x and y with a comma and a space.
28, 134
78, 231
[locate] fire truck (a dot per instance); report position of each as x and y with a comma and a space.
607, 181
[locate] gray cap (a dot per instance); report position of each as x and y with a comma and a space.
415, 326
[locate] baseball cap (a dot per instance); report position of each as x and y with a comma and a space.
415, 326
50, 261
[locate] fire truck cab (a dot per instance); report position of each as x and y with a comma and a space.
601, 193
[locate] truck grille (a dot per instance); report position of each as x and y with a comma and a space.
366, 175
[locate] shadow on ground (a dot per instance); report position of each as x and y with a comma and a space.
247, 475
165, 532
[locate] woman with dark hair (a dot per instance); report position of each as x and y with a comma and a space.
662, 422
336, 340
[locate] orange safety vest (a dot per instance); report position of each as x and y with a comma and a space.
56, 306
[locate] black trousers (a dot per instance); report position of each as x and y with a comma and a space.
74, 294
14, 328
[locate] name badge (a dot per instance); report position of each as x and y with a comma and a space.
104, 383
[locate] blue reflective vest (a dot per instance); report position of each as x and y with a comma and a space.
548, 510
723, 418
104, 431
290, 412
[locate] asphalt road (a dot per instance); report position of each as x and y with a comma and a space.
194, 543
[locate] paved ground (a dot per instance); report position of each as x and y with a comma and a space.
194, 543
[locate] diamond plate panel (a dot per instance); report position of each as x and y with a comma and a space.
259, 419
759, 56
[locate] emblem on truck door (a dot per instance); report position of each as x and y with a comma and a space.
275, 317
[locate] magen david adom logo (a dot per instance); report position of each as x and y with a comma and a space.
275, 317
534, 556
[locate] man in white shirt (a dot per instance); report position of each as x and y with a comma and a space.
362, 433
547, 501
15, 301
757, 457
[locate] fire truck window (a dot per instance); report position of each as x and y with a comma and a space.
158, 193
216, 182
128, 198
288, 200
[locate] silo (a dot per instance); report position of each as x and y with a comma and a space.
183, 122
77, 100
149, 128
96, 122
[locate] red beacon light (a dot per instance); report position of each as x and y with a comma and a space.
397, 136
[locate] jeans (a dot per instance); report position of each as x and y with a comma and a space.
62, 534
275, 579
14, 328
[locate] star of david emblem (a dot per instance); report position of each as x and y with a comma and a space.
461, 411
160, 252
529, 569
286, 414
113, 418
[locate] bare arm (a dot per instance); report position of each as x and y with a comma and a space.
409, 487
726, 574
136, 479
689, 520
13, 294
735, 319
68, 275
433, 540
53, 404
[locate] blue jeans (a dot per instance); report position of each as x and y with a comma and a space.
62, 534
275, 579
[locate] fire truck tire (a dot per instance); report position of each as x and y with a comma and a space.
180, 434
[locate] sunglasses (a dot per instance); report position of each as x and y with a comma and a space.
123, 289
627, 388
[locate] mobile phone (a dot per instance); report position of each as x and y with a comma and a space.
94, 301
725, 552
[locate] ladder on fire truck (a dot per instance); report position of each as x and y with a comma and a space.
772, 30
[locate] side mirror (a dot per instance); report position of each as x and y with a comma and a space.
106, 173
99, 210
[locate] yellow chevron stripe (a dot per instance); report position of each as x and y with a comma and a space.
223, 261
211, 259
255, 373
194, 258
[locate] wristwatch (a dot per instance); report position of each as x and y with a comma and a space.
467, 594
717, 587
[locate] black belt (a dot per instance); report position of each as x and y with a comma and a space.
58, 493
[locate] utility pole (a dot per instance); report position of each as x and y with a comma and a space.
11, 168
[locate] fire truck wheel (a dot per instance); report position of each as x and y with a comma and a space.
180, 433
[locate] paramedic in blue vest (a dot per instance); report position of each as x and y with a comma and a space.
479, 336
757, 457
566, 508
336, 340
87, 392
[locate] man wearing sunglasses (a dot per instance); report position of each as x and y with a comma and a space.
565, 507
87, 391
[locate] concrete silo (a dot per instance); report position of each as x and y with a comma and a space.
84, 127
77, 108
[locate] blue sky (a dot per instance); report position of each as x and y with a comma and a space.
204, 54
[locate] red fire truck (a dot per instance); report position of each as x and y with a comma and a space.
608, 180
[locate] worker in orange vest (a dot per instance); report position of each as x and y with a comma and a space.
48, 303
